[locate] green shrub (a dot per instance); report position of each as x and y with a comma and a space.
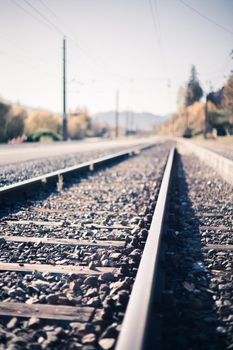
42, 120
38, 134
218, 117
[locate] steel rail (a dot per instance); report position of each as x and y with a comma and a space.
133, 334
53, 177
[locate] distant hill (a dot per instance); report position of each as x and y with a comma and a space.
139, 121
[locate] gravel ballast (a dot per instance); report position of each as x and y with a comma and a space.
197, 307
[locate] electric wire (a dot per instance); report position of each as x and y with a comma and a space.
155, 18
206, 17
154, 23
48, 23
40, 59
28, 12
21, 60
74, 41
62, 22
44, 18
157, 13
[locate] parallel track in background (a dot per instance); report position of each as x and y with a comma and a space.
51, 179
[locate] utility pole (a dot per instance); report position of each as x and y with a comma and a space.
206, 122
127, 123
64, 125
117, 114
170, 107
206, 117
186, 118
131, 123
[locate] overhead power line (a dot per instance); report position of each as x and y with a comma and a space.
206, 17
79, 44
43, 20
157, 27
21, 60
74, 39
44, 17
28, 12
41, 59
65, 25
59, 19
157, 15
39, 16
157, 34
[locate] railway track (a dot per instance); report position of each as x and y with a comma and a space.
51, 178
28, 169
83, 256
71, 242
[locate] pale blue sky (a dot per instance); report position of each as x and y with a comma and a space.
121, 47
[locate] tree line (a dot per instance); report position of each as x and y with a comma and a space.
196, 115
16, 123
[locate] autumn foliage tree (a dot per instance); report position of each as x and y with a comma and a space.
11, 121
194, 91
220, 108
79, 124
15, 122
228, 95
4, 108
42, 120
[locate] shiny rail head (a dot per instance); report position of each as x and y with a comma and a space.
134, 327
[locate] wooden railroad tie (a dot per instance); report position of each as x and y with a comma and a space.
32, 222
68, 211
56, 269
46, 311
62, 223
215, 228
209, 215
219, 247
76, 211
98, 243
